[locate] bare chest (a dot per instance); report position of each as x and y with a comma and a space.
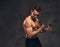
34, 25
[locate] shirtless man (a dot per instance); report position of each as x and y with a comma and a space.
33, 27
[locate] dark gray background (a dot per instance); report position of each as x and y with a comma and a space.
12, 14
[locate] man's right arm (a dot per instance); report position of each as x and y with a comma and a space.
30, 32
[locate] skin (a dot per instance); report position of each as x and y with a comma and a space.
49, 28
32, 21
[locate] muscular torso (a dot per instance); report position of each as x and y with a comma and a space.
35, 25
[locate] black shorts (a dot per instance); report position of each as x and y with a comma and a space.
32, 42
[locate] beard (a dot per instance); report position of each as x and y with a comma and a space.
34, 18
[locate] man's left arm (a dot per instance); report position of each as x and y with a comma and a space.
49, 28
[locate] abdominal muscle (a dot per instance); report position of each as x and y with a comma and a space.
26, 36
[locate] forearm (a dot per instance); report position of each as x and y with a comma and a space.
47, 29
35, 33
